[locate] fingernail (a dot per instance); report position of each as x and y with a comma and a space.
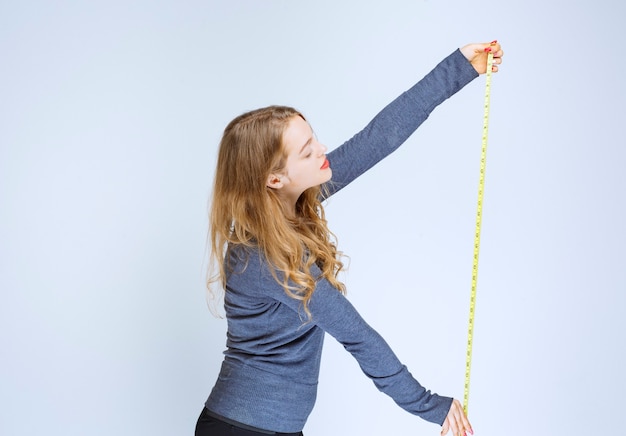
494, 42
487, 49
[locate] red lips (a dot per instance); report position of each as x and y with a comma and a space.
325, 165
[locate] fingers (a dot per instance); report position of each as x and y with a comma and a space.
496, 49
476, 54
456, 421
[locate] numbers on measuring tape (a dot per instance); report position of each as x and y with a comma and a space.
481, 182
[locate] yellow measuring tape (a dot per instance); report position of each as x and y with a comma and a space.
479, 213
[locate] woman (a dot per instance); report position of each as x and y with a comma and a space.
278, 263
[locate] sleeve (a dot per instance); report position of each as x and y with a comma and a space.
332, 312
398, 120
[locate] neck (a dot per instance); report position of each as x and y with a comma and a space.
289, 205
290, 209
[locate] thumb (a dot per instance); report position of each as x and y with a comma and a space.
445, 427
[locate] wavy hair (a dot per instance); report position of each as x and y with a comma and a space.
245, 212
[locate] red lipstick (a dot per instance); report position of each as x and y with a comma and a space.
325, 165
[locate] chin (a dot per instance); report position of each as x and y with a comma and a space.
329, 176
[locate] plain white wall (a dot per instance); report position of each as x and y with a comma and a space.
110, 114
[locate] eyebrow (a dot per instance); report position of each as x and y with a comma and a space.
306, 144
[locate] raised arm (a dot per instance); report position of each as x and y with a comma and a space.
399, 119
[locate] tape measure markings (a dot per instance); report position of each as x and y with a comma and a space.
481, 186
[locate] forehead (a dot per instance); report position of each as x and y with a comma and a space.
296, 135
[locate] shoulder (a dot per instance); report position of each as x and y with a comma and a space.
248, 270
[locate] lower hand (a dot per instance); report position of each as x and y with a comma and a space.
456, 421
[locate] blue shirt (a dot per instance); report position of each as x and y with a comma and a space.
269, 375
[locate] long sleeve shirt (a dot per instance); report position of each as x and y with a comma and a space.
270, 371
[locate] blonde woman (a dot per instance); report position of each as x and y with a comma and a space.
277, 262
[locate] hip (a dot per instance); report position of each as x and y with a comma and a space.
212, 424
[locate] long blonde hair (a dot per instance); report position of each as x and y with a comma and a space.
244, 211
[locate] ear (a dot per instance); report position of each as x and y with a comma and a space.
274, 181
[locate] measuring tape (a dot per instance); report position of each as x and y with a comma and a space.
479, 213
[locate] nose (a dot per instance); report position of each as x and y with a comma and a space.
322, 148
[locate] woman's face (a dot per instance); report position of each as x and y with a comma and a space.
306, 164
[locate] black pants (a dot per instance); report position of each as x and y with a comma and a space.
209, 425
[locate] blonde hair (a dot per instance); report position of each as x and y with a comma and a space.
245, 212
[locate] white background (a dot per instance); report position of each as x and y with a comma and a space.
110, 115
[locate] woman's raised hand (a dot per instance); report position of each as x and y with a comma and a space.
477, 54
